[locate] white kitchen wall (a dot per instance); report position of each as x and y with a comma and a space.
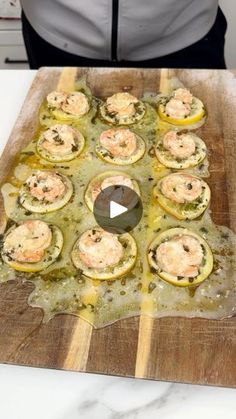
229, 9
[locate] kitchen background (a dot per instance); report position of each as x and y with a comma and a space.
12, 51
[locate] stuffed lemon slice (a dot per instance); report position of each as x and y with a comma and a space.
32, 246
101, 255
181, 108
122, 109
181, 257
120, 146
105, 180
180, 150
60, 143
183, 195
45, 192
68, 106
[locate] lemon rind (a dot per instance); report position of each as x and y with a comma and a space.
169, 206
59, 159
117, 271
102, 176
27, 201
104, 154
193, 161
51, 254
174, 280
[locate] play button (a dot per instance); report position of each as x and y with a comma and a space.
118, 209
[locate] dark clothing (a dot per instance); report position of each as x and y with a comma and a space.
206, 53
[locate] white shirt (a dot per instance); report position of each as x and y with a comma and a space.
145, 29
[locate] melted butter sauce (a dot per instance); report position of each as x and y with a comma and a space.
62, 289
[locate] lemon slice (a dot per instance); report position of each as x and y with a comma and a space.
97, 181
56, 158
50, 255
205, 268
108, 157
165, 157
31, 203
113, 118
63, 116
113, 272
198, 113
185, 211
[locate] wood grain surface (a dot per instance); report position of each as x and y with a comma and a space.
173, 349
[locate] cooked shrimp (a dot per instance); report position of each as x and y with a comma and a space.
76, 104
99, 249
181, 187
59, 140
27, 242
180, 256
184, 95
180, 146
175, 108
55, 99
122, 104
46, 186
112, 181
119, 141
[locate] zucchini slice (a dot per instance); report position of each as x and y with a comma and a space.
108, 157
50, 255
113, 272
198, 113
165, 157
188, 210
34, 205
56, 158
205, 268
97, 181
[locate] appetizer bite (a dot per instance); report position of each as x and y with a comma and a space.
104, 256
60, 143
181, 108
122, 109
106, 179
183, 195
32, 246
68, 106
180, 150
45, 192
181, 257
120, 146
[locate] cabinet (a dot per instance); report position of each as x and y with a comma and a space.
12, 49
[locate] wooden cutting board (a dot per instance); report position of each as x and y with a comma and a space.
175, 349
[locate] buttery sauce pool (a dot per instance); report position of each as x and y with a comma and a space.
62, 289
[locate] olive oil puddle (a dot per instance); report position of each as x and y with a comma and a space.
61, 289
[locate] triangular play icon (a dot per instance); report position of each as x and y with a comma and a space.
116, 209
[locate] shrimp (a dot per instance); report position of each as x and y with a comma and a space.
181, 187
180, 256
55, 99
99, 249
176, 109
184, 95
27, 242
122, 104
181, 146
119, 141
59, 140
46, 186
76, 104
112, 181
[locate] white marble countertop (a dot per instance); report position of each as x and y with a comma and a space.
27, 393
